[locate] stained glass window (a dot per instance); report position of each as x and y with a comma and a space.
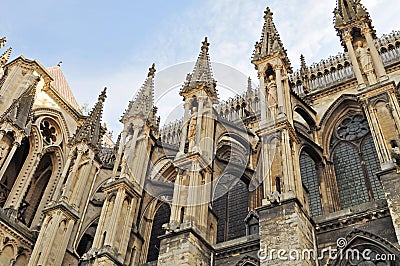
356, 162
231, 205
309, 176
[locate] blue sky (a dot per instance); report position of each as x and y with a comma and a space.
112, 43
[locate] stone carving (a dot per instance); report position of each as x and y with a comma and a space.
272, 95
192, 124
365, 58
395, 152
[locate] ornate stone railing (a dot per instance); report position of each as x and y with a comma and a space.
336, 69
240, 107
171, 132
389, 47
318, 76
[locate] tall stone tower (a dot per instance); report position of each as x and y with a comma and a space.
63, 213
115, 242
192, 224
379, 96
285, 199
354, 26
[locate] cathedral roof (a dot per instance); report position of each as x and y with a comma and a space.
143, 105
202, 74
91, 132
60, 84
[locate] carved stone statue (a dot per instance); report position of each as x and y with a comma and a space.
395, 152
365, 58
272, 95
193, 123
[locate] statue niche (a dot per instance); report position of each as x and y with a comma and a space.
272, 96
192, 127
364, 56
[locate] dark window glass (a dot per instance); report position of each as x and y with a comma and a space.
308, 170
231, 204
161, 217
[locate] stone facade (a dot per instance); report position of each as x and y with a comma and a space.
301, 170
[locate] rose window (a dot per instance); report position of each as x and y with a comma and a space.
353, 128
48, 131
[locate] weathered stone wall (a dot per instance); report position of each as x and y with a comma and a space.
184, 248
285, 227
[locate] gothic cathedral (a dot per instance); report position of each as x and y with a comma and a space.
303, 169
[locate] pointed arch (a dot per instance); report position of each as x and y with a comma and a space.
248, 261
359, 241
338, 108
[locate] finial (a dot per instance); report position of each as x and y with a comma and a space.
152, 70
249, 84
5, 56
59, 63
303, 64
3, 42
268, 13
205, 45
103, 95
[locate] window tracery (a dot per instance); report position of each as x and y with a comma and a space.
355, 161
49, 131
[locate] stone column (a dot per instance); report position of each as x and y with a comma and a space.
263, 105
114, 217
10, 155
348, 38
176, 205
265, 165
71, 177
279, 88
390, 181
376, 58
184, 128
377, 134
119, 155
63, 175
199, 120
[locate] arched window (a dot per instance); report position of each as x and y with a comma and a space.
355, 161
309, 177
13, 168
231, 205
37, 187
161, 217
87, 239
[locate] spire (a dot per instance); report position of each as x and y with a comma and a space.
202, 74
143, 104
91, 131
350, 11
249, 87
270, 43
350, 15
303, 65
3, 41
5, 56
20, 111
